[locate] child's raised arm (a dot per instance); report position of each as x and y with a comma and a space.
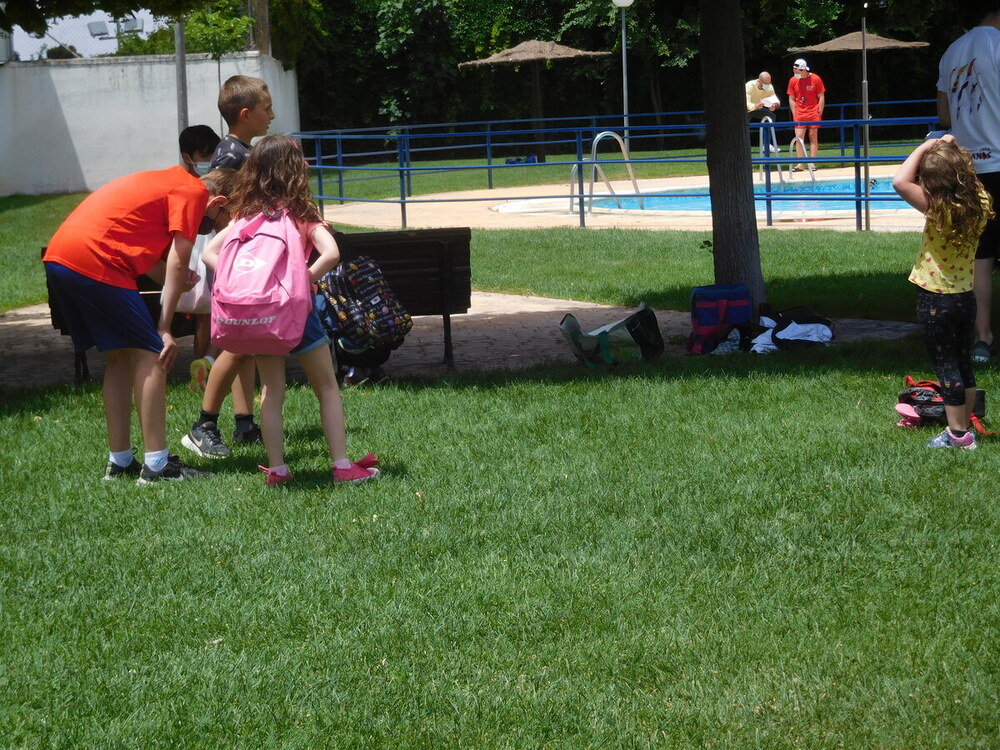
905, 180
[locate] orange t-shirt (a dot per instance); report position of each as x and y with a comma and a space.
124, 228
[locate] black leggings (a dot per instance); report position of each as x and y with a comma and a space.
949, 322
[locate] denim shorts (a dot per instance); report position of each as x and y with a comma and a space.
314, 334
98, 314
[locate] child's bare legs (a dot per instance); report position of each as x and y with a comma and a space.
202, 335
960, 417
318, 366
119, 380
135, 371
272, 396
220, 382
242, 386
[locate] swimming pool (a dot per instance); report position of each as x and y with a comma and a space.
826, 195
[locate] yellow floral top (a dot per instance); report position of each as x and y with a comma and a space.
942, 266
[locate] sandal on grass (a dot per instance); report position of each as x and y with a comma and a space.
983, 352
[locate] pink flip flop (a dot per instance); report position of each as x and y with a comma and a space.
910, 418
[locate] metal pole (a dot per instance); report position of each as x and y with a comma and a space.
625, 83
180, 58
864, 114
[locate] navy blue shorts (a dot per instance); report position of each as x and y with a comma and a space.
101, 315
314, 335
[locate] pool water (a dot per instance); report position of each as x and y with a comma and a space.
829, 195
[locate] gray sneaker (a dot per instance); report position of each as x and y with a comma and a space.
174, 471
205, 440
114, 470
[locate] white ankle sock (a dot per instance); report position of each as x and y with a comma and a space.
156, 460
343, 463
120, 458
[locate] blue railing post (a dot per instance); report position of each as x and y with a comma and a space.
319, 172
579, 175
403, 177
858, 192
489, 155
339, 141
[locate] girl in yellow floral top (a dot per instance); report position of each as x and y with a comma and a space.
938, 180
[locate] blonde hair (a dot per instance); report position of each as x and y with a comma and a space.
220, 181
239, 93
957, 204
274, 177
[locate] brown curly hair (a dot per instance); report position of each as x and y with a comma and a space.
957, 204
275, 177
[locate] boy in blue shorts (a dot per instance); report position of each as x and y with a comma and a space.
140, 224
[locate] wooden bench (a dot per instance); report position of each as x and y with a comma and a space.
429, 270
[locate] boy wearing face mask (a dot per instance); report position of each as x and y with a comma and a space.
144, 223
197, 144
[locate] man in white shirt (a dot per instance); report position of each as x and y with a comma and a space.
968, 102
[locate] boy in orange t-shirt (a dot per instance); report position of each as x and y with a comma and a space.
140, 224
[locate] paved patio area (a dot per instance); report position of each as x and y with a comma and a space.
500, 333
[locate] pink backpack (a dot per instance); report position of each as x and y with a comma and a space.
261, 296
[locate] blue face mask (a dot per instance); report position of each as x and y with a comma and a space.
201, 168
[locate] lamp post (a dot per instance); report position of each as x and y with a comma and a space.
623, 4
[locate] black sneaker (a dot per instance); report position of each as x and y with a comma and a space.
205, 440
250, 435
174, 471
114, 470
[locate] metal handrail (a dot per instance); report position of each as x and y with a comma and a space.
812, 164
597, 168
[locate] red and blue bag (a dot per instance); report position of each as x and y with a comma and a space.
715, 311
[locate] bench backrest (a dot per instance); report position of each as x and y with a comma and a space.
430, 270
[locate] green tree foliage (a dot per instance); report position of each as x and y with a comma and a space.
416, 44
217, 28
33, 15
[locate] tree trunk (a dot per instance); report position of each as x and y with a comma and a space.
727, 140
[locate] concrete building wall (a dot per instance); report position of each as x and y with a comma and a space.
73, 125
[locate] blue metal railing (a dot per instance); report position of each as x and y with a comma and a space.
337, 155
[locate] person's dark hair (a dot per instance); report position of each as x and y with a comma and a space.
274, 177
221, 181
198, 139
239, 93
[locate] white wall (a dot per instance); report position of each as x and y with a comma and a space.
73, 125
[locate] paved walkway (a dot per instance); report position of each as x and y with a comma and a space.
501, 332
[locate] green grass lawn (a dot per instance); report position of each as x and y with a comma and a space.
713, 552
718, 552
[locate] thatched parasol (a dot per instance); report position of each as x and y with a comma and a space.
854, 42
534, 52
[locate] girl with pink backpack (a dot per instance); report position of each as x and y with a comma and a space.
274, 182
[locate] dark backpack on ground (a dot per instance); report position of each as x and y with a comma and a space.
921, 402
361, 311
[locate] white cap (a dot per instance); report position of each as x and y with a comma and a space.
800, 63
